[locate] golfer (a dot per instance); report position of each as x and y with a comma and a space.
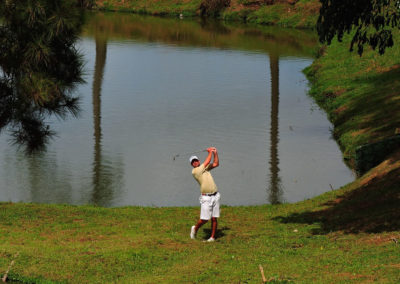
209, 198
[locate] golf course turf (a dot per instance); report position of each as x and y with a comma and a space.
344, 236
349, 235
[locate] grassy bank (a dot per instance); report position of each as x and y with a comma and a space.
300, 14
360, 95
151, 7
294, 14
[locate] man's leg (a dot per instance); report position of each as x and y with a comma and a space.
205, 215
194, 229
214, 224
199, 224
214, 216
205, 211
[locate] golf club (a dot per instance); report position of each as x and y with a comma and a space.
186, 154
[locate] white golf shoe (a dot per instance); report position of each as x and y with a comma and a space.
210, 240
193, 232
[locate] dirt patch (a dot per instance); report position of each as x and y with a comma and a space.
381, 170
237, 6
387, 69
341, 109
339, 92
330, 95
337, 200
311, 7
394, 265
170, 244
378, 240
360, 132
334, 94
87, 253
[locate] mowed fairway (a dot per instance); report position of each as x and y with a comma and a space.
344, 236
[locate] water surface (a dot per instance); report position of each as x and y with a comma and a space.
158, 87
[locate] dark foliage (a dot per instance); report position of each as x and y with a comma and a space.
372, 20
40, 67
213, 7
87, 4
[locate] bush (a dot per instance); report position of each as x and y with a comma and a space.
88, 4
213, 7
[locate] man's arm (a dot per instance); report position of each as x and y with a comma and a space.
208, 159
216, 159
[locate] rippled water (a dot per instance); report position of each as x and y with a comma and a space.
158, 87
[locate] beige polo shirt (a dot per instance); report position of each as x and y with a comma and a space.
202, 175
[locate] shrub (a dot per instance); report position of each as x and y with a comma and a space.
88, 4
213, 7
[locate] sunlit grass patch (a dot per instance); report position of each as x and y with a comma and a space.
153, 7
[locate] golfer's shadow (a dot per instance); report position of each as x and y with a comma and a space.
220, 233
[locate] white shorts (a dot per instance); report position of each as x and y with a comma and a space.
209, 206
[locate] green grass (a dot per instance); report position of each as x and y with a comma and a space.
152, 7
301, 15
360, 95
331, 238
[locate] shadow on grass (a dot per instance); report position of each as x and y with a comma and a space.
220, 233
372, 207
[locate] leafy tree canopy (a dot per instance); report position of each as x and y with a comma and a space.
39, 66
371, 20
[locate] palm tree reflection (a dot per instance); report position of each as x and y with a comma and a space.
106, 176
274, 190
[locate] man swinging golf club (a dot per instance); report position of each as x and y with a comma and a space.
209, 198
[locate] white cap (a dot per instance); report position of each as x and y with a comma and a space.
193, 158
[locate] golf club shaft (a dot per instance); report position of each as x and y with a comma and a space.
191, 153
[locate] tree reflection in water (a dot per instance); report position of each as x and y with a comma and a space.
40, 67
40, 70
107, 174
102, 178
275, 189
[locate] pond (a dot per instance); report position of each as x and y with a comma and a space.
158, 87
